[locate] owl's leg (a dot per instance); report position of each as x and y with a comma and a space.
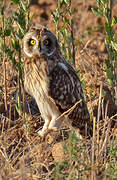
55, 124
45, 128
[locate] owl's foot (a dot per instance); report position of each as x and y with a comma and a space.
55, 125
52, 128
42, 133
52, 125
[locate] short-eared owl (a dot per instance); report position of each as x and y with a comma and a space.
52, 81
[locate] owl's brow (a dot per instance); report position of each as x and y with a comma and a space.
32, 29
35, 30
38, 31
43, 31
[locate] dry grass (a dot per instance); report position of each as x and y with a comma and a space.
24, 156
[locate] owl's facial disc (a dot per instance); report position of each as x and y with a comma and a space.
47, 46
31, 46
40, 42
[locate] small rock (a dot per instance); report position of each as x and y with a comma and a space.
49, 139
58, 152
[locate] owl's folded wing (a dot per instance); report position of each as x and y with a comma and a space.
65, 89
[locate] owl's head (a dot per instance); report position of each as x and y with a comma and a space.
39, 40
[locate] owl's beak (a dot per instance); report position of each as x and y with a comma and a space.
39, 47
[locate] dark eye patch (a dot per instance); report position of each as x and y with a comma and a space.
30, 42
47, 42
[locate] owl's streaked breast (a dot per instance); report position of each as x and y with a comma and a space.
36, 80
37, 85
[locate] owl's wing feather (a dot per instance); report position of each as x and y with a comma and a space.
65, 89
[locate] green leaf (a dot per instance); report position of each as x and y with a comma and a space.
66, 20
10, 53
1, 35
19, 34
8, 32
109, 31
97, 12
3, 47
114, 45
15, 44
9, 21
114, 20
109, 73
15, 1
67, 1
2, 9
99, 2
110, 81
55, 17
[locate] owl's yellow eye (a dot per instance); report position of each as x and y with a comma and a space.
32, 42
46, 42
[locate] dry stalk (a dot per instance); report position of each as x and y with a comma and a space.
5, 85
98, 118
1, 177
69, 110
15, 148
73, 45
4, 59
106, 138
93, 149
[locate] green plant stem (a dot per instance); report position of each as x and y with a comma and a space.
73, 45
4, 58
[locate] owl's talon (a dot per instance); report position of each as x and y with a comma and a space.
53, 129
41, 133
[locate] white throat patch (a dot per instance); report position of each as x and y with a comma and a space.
28, 54
49, 54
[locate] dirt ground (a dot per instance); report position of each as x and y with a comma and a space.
23, 154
